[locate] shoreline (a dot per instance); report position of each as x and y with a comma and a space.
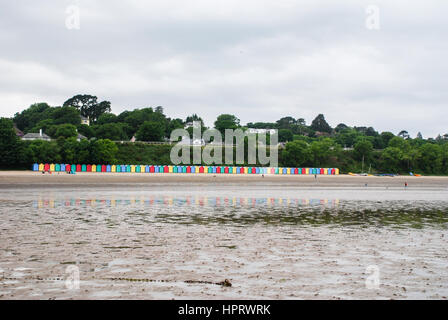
11, 179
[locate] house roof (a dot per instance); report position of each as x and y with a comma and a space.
19, 133
36, 136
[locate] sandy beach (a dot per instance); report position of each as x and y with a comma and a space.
29, 178
175, 236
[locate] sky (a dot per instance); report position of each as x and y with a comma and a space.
363, 63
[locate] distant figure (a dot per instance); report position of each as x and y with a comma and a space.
262, 175
366, 185
315, 176
405, 184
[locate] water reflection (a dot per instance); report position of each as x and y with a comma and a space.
201, 201
244, 211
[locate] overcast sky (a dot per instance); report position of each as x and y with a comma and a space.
260, 60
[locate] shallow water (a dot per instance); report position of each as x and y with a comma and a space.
163, 242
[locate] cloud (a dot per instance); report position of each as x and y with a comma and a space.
259, 60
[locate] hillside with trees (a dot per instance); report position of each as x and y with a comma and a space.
107, 139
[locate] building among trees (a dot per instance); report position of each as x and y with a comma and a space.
36, 136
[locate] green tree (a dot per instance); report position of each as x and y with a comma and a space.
363, 149
65, 131
320, 124
386, 137
88, 106
40, 151
112, 131
286, 123
11, 148
322, 150
104, 151
430, 158
285, 135
28, 118
107, 118
151, 131
227, 121
296, 154
66, 115
86, 131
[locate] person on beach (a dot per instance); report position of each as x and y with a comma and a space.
405, 184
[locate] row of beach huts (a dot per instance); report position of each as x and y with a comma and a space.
73, 168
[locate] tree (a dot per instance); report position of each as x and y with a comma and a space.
40, 151
322, 150
227, 121
391, 159
104, 151
28, 118
404, 134
363, 149
86, 131
320, 124
111, 131
151, 131
419, 136
64, 131
386, 137
63, 115
88, 106
194, 117
107, 118
430, 158
296, 154
174, 124
286, 122
11, 148
285, 135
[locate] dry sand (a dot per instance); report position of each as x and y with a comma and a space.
28, 178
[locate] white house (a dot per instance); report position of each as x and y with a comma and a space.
85, 120
261, 131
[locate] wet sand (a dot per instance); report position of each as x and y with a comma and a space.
173, 236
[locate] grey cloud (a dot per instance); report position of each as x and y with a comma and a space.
260, 60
